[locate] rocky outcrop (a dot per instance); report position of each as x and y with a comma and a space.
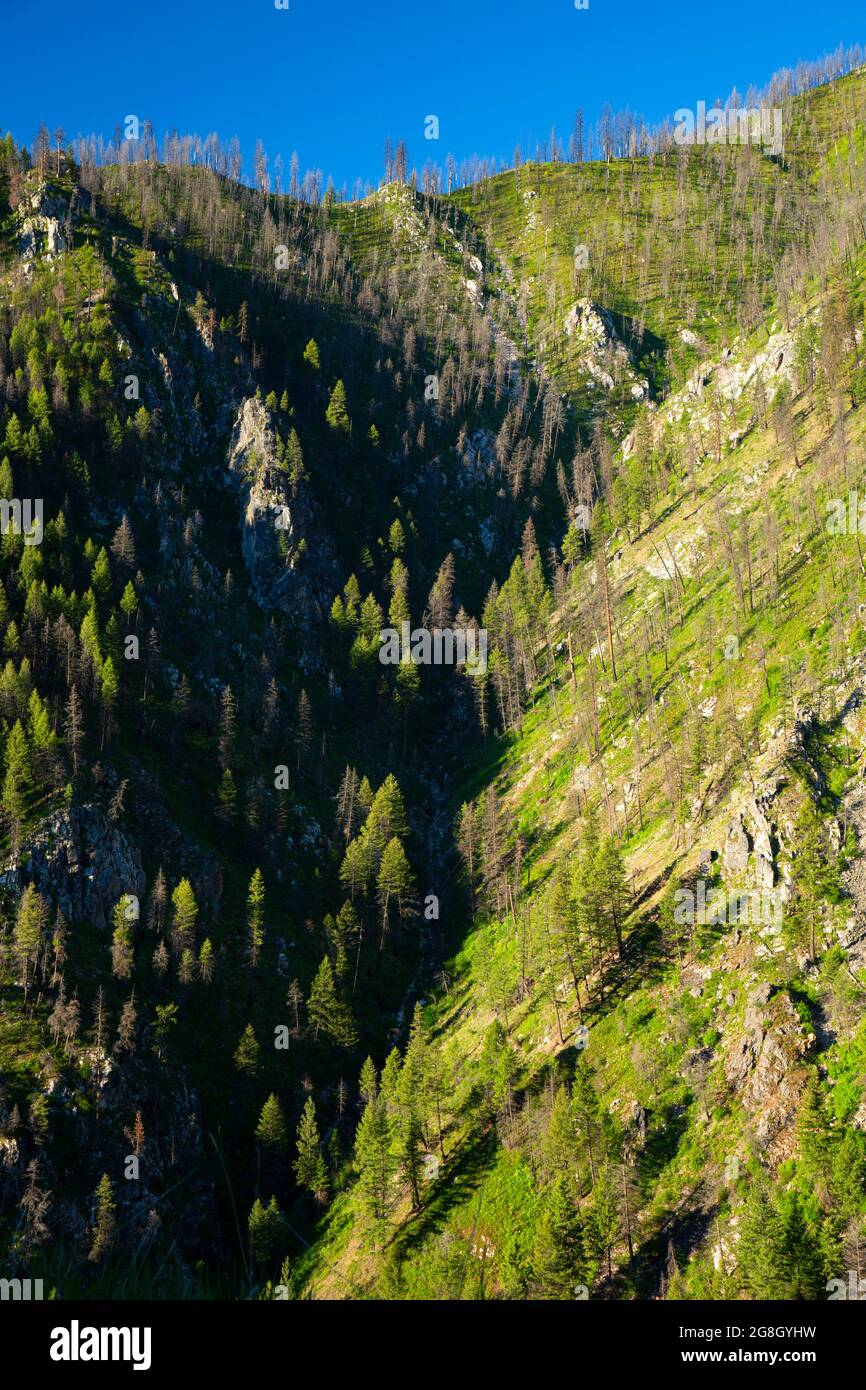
601, 354
763, 1066
749, 849
43, 218
636, 1124
735, 855
764, 870
287, 568
80, 862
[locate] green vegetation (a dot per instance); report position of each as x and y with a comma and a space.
389, 980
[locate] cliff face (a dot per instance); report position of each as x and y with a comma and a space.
80, 862
288, 564
43, 226
764, 1066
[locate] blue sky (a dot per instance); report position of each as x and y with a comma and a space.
332, 78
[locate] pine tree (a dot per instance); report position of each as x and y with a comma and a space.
309, 1166
779, 1254
206, 961
185, 913
848, 1173
74, 729
271, 1128
440, 601
394, 884
389, 1081
255, 917
121, 946
248, 1053
813, 1130
357, 867
559, 1141
801, 1266
303, 728
227, 797
368, 1086
409, 1130
612, 887
266, 1230
123, 544
41, 734
386, 817
16, 782
100, 575
558, 1259
30, 922
326, 1011
587, 1116
373, 1162
127, 1025
161, 960
228, 723
105, 1224
158, 901
337, 414
347, 803
604, 1218
294, 999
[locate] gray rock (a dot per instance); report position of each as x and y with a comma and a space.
636, 1121
736, 851
79, 861
39, 226
763, 1065
288, 568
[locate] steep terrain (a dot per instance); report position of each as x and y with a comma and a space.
594, 912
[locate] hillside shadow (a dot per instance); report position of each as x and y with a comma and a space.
459, 1180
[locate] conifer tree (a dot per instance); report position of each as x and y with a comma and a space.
30, 921
394, 885
248, 1053
255, 917
310, 1169
559, 1140
337, 414
603, 1224
373, 1162
266, 1230
227, 797
368, 1085
326, 1011
612, 887
185, 913
121, 945
105, 1223
271, 1128
303, 728
558, 1261
16, 782
206, 961
587, 1115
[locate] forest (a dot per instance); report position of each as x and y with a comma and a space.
327, 975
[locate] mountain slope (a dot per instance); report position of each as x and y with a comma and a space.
242, 854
